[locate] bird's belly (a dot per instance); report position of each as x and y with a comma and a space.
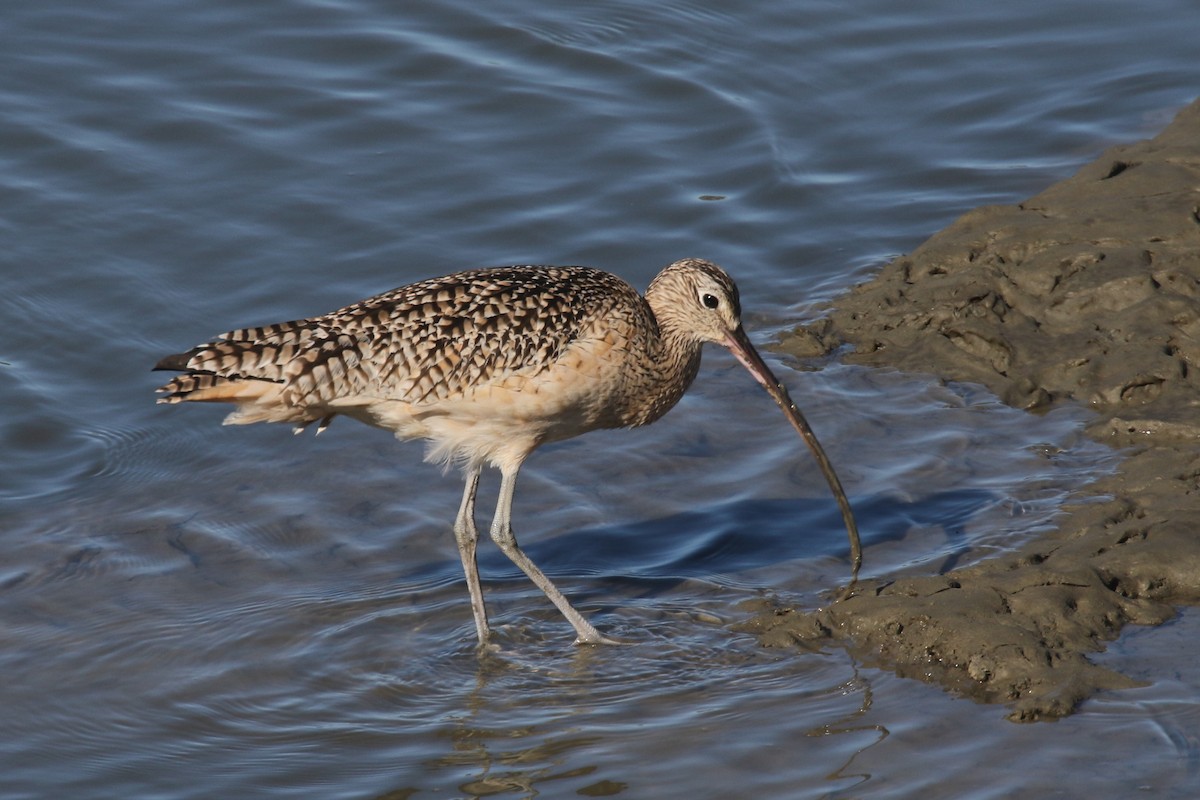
497, 424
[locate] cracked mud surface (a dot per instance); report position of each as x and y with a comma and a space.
1086, 293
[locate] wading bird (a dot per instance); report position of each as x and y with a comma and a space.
487, 365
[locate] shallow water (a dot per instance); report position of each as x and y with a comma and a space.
195, 611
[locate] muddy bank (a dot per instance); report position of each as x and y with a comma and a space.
1086, 293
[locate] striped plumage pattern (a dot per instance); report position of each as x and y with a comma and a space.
424, 341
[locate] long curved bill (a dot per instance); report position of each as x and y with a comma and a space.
739, 344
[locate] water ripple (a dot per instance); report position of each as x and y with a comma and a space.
188, 610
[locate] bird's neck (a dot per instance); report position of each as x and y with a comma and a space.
656, 384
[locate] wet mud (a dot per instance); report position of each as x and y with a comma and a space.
1086, 293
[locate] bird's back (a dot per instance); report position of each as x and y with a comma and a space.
423, 348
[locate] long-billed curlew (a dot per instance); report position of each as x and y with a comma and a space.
486, 365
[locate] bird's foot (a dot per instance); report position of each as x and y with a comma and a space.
598, 639
488, 648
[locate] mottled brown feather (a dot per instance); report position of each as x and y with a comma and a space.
427, 342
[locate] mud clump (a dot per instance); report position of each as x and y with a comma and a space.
1086, 293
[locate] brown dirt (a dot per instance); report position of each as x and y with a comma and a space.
1086, 293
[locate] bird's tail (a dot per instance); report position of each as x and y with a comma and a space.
233, 371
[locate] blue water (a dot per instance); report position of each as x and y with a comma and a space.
195, 611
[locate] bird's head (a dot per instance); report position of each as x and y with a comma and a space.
695, 299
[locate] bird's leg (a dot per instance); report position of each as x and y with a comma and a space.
467, 536
502, 535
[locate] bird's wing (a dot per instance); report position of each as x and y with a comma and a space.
420, 343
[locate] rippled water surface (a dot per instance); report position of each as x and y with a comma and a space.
191, 611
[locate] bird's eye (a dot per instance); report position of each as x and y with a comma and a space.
710, 300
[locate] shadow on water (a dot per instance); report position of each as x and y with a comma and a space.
722, 542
